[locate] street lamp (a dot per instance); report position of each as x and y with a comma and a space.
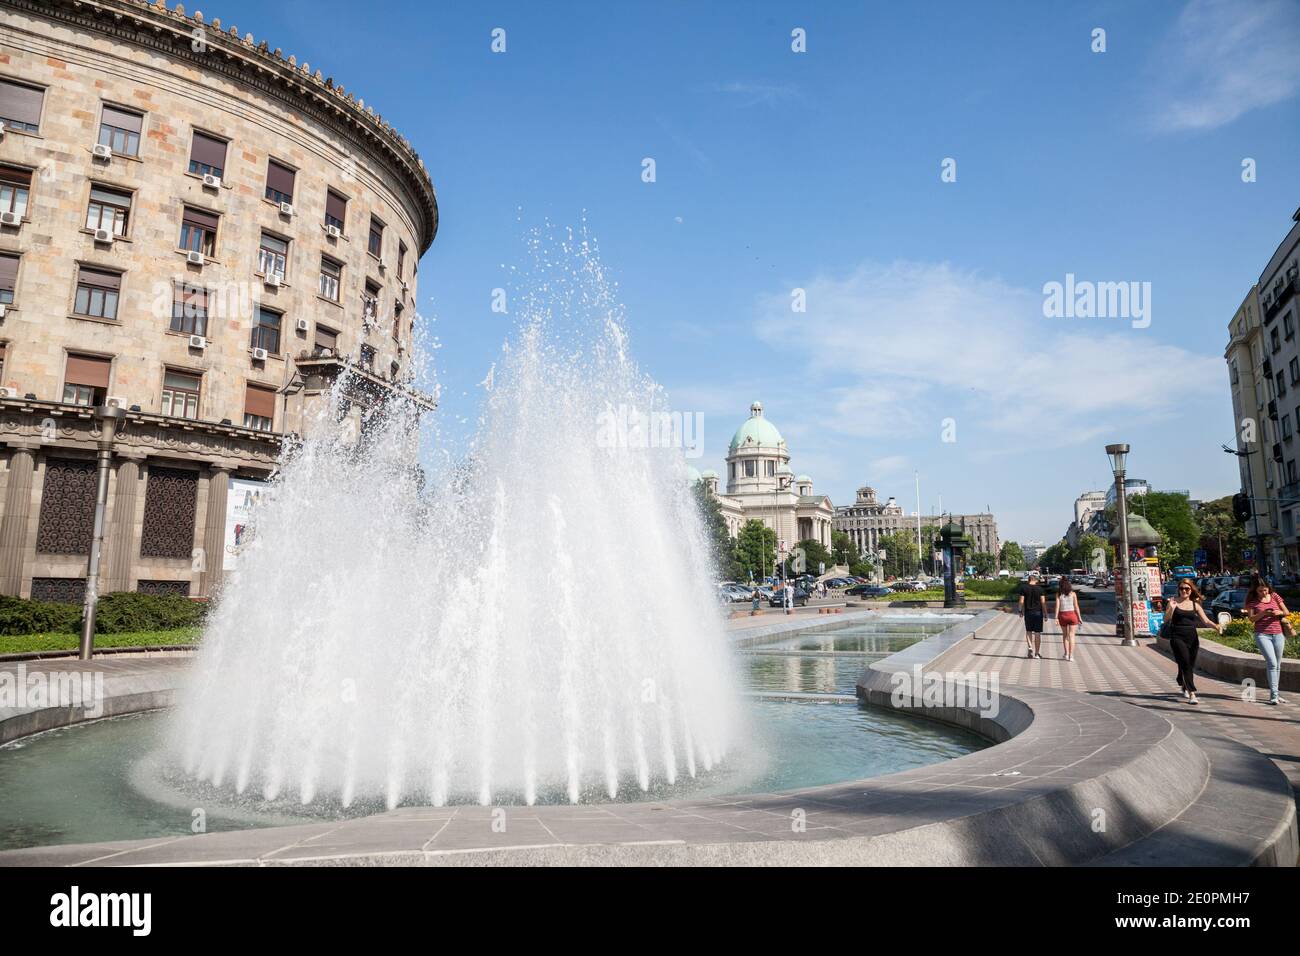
110, 417
1118, 459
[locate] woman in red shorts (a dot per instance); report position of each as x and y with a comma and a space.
1067, 615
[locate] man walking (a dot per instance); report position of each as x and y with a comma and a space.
1033, 605
789, 597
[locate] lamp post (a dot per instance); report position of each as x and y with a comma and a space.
1118, 458
109, 419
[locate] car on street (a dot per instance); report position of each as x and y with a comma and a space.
1231, 601
778, 598
869, 591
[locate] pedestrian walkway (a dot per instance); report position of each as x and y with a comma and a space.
1140, 675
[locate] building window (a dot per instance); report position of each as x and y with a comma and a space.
1290, 472
367, 358
259, 408
1275, 340
199, 231
207, 155
279, 182
336, 210
170, 499
327, 341
20, 106
331, 276
1234, 375
750, 470
190, 310
97, 291
85, 380
119, 130
272, 255
376, 241
109, 209
401, 259
397, 321
180, 395
67, 520
771, 468
15, 185
1294, 365
370, 304
1288, 325
1286, 427
1281, 384
266, 331
8, 277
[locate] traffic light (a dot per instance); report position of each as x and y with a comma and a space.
1241, 506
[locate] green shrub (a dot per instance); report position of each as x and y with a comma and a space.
1239, 627
118, 613
21, 616
126, 611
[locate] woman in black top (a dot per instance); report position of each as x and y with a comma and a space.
1184, 613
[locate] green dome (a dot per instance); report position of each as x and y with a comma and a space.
783, 469
757, 431
710, 473
692, 475
804, 480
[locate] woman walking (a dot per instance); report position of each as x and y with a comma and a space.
1068, 615
1182, 614
1267, 611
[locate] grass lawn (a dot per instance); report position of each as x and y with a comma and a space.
23, 643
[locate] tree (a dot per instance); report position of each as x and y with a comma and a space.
900, 553
843, 550
1013, 556
756, 549
814, 554
984, 563
1090, 553
1170, 513
1056, 558
1221, 533
722, 550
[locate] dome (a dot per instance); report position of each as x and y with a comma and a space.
710, 473
783, 469
757, 431
804, 480
692, 475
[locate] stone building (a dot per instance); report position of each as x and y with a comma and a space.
199, 236
868, 520
761, 485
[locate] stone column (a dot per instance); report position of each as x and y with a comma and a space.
13, 525
214, 531
121, 529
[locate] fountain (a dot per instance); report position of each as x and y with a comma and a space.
537, 623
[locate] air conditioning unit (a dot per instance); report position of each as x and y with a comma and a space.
198, 342
10, 219
286, 209
2, 130
103, 235
382, 265
102, 152
7, 392
259, 355
304, 325
194, 258
2, 310
333, 231
211, 182
406, 286
272, 279
116, 401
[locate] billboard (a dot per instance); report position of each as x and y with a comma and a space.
241, 503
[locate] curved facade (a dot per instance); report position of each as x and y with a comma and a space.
203, 232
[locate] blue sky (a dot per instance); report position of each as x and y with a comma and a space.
821, 170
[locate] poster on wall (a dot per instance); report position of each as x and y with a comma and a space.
241, 503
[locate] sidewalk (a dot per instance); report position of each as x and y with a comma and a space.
1139, 675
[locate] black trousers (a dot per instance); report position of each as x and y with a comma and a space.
1185, 649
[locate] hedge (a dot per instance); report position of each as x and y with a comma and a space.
118, 613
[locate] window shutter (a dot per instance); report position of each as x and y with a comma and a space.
122, 119
15, 176
21, 103
335, 205
88, 370
8, 271
208, 151
99, 278
279, 178
260, 401
197, 217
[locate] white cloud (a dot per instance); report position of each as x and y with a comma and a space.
900, 347
1225, 58
755, 94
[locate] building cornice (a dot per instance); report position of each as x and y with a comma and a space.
211, 46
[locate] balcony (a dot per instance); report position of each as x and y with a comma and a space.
1289, 494
1280, 298
321, 367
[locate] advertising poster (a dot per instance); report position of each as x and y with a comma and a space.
241, 503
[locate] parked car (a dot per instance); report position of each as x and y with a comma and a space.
869, 591
778, 598
1231, 601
